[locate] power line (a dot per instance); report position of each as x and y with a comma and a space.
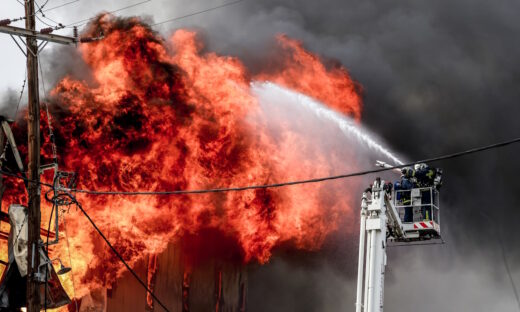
61, 5
315, 180
70, 263
40, 8
199, 12
45, 23
74, 201
282, 184
84, 21
46, 10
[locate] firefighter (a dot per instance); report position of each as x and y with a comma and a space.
405, 186
424, 175
426, 178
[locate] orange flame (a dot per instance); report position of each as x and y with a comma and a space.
166, 116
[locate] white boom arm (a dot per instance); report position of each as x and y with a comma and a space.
377, 214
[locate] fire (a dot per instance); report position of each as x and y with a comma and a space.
164, 115
304, 72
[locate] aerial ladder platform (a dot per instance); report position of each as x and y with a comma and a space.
388, 214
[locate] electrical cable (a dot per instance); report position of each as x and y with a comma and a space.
70, 263
54, 206
282, 184
61, 5
315, 180
44, 23
21, 93
40, 7
40, 10
504, 258
84, 21
74, 201
199, 12
81, 22
46, 10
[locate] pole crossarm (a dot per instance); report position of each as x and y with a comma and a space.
38, 35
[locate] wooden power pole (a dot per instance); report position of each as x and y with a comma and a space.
33, 123
34, 243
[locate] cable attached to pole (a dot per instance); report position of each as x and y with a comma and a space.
74, 201
276, 185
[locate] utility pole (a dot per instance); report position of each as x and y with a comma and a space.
34, 243
33, 130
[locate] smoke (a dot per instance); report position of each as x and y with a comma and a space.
438, 77
9, 104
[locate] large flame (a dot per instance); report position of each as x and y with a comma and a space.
163, 115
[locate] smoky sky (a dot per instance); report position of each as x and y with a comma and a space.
438, 77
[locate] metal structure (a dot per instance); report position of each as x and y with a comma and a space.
389, 215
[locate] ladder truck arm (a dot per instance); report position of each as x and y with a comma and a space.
381, 222
378, 217
372, 244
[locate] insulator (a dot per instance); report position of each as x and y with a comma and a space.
5, 22
47, 30
86, 39
75, 32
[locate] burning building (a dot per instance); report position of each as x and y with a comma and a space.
154, 114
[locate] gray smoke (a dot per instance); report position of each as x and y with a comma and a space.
438, 77
9, 103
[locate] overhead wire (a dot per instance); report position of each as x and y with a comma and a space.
281, 184
46, 10
61, 5
118, 255
54, 206
70, 263
21, 93
84, 21
40, 8
43, 22
198, 12
314, 180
